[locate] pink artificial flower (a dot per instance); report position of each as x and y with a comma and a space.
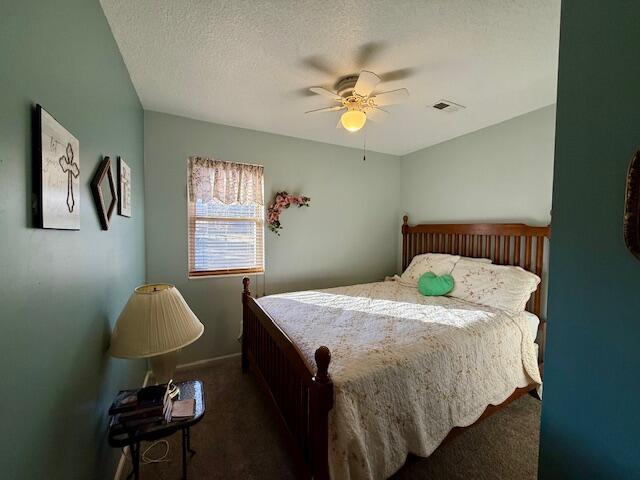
282, 201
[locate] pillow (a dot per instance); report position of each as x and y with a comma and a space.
432, 285
500, 286
437, 263
479, 260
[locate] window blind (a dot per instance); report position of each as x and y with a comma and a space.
226, 217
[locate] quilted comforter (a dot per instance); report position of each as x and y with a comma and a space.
406, 368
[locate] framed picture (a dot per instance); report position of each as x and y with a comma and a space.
58, 184
124, 188
104, 191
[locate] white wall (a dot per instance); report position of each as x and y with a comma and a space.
501, 173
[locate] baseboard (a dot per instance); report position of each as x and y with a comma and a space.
123, 457
206, 361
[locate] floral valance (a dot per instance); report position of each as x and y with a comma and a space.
230, 183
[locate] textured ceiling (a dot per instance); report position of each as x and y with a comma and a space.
247, 63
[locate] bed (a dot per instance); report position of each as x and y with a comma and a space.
360, 376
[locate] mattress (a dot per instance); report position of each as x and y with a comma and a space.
406, 368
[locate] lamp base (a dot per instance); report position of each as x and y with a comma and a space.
163, 368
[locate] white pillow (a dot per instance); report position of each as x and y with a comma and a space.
480, 260
500, 286
438, 263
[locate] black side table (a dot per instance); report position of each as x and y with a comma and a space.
132, 438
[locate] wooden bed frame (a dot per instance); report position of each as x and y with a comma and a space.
302, 397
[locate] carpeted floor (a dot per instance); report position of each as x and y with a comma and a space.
238, 439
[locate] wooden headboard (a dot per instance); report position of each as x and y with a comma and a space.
504, 243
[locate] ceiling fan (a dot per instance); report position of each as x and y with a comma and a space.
355, 95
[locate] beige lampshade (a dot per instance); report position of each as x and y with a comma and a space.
155, 320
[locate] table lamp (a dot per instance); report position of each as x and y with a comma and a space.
155, 323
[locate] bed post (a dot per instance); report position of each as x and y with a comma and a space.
246, 294
405, 242
321, 400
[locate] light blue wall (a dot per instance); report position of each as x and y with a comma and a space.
502, 173
499, 174
61, 291
590, 414
351, 231
349, 234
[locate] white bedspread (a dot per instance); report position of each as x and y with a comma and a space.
406, 368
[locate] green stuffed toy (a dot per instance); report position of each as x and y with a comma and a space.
432, 285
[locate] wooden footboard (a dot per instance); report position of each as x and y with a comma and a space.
301, 397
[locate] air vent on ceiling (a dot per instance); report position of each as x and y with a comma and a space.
447, 106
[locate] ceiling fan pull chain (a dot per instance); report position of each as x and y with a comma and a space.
364, 146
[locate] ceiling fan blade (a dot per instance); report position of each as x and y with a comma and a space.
326, 93
326, 109
391, 98
367, 81
339, 124
376, 114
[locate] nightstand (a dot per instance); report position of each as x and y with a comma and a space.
132, 437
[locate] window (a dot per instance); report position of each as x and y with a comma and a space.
226, 217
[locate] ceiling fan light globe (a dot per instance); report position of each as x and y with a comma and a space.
353, 120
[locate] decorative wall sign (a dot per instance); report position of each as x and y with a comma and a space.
632, 207
104, 191
58, 186
282, 201
124, 188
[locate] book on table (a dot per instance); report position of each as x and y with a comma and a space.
183, 409
135, 408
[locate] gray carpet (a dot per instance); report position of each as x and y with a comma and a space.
238, 439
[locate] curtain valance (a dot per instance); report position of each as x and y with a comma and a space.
230, 183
